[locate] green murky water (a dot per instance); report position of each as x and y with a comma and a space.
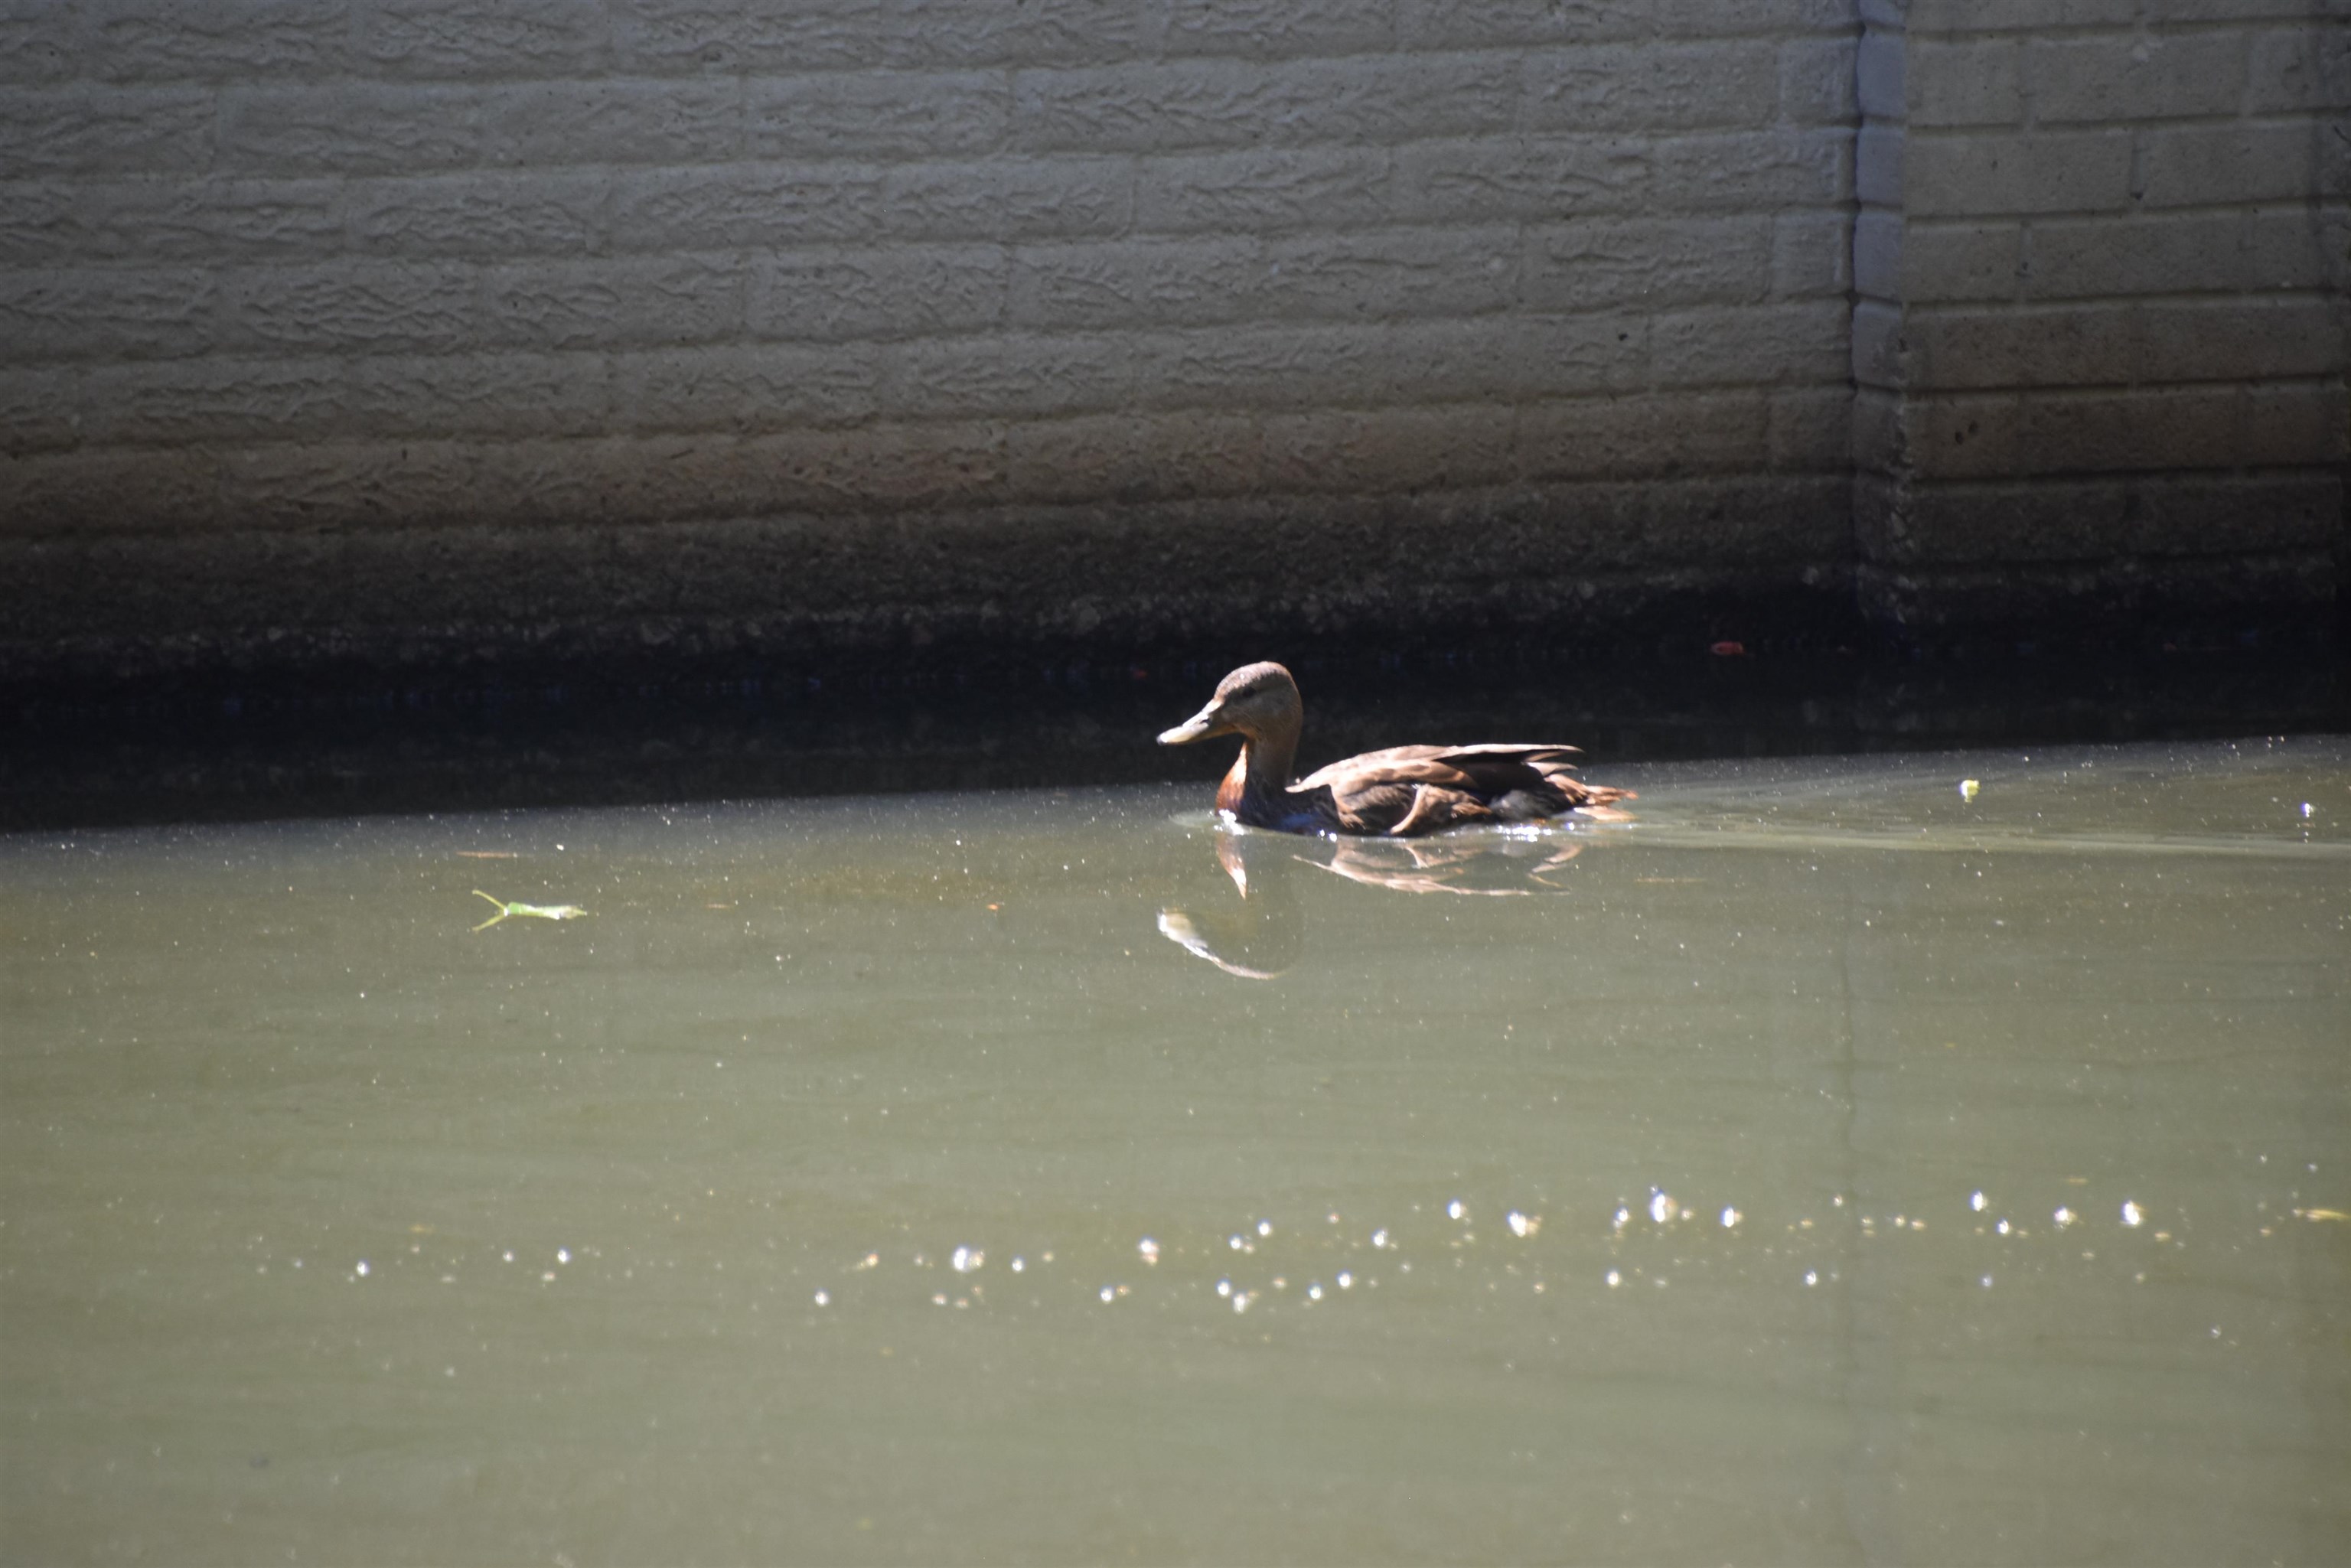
1848, 1170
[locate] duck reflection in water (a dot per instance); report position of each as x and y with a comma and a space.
1265, 934
1452, 864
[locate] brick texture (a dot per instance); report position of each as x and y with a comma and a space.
365, 265
2100, 324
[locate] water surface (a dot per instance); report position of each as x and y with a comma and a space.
1829, 1165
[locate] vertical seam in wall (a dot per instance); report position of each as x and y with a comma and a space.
1855, 297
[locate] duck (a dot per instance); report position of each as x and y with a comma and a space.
1401, 792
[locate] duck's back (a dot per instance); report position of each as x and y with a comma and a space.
1409, 790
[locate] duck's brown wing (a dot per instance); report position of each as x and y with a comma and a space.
1421, 789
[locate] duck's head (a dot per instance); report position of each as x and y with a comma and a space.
1254, 701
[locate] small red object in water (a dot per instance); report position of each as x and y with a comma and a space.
1729, 650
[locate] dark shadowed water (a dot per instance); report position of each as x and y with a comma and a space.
1833, 1163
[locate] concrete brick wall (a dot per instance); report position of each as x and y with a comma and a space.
2099, 340
413, 327
408, 276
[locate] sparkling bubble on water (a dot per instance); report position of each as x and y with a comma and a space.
1661, 1207
2132, 1213
824, 1298
1264, 1227
2002, 1227
1109, 1295
1524, 1225
1379, 1237
1623, 1217
1976, 1200
1235, 1241
1018, 1264
1241, 1302
1730, 1216
563, 1254
2063, 1217
1314, 1290
1148, 1248
1615, 1278
362, 1269
1224, 1287
967, 1258
1346, 1280
1456, 1209
1812, 1277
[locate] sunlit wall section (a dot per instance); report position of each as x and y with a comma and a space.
2100, 340
851, 321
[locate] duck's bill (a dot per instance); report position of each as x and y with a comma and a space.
1199, 727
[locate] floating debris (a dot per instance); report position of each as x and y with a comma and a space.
509, 908
1969, 788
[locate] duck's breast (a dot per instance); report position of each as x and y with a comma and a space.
1236, 784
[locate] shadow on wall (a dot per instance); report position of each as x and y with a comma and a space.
255, 751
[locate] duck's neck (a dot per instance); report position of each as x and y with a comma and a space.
1263, 772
